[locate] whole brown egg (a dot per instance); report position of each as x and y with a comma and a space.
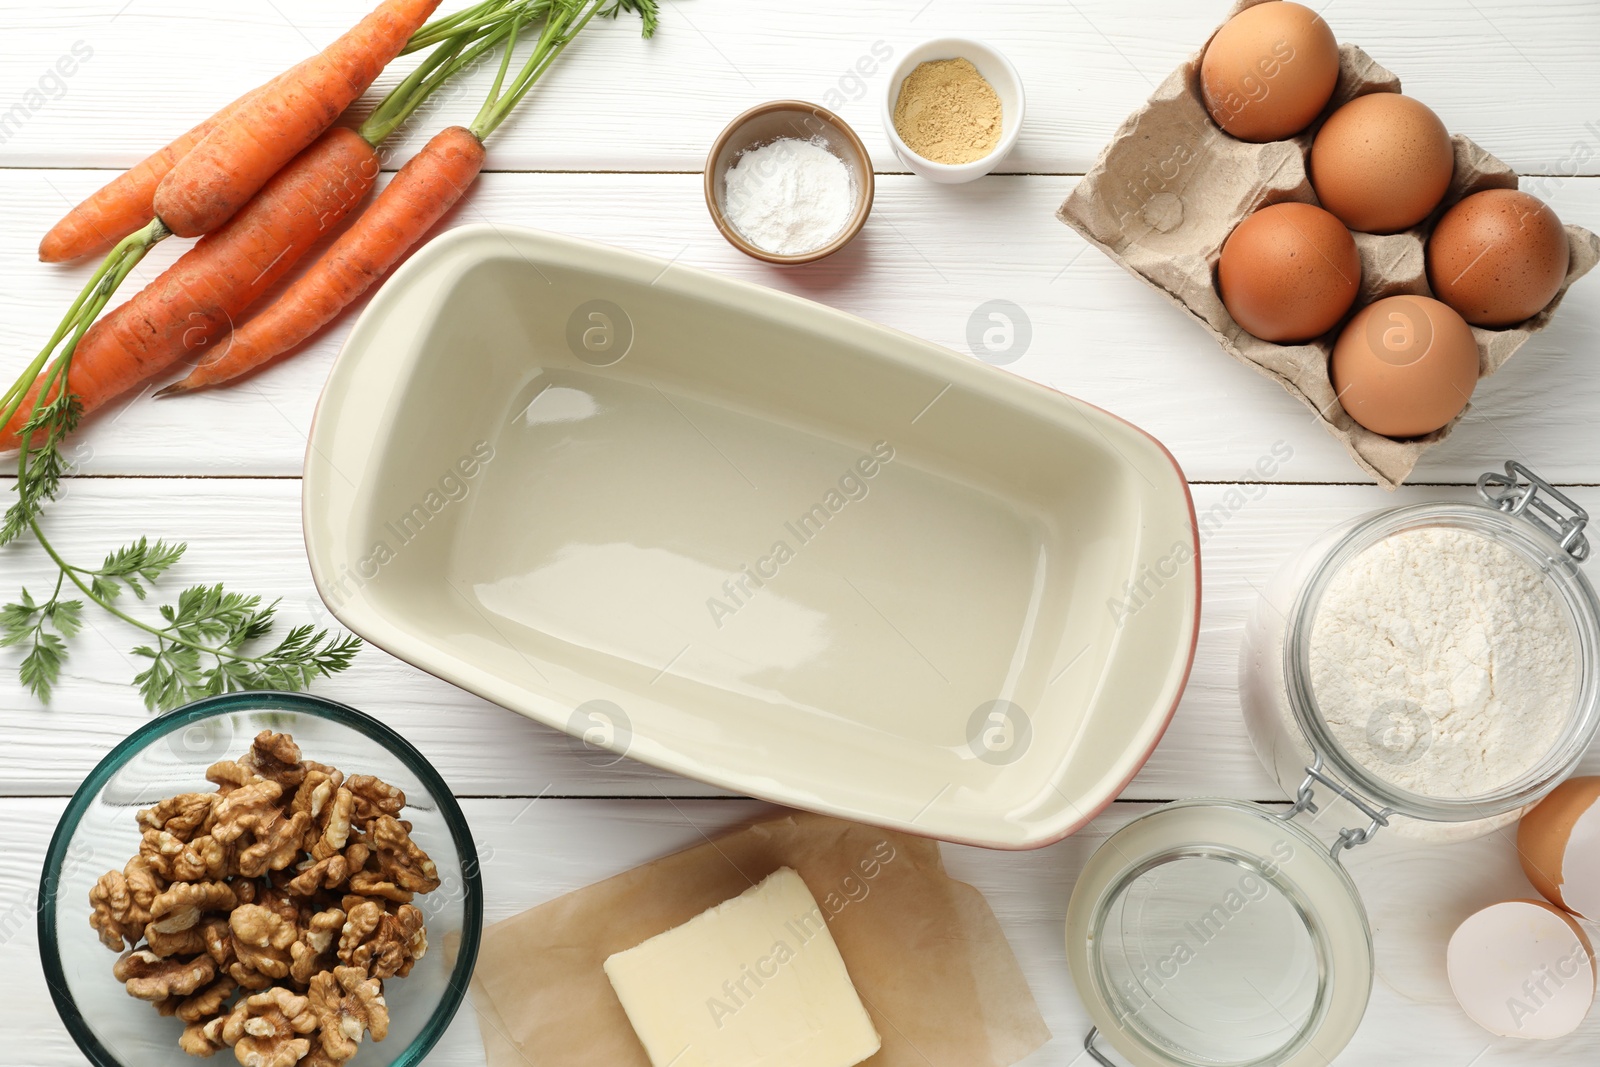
1382, 162
1289, 272
1404, 366
1270, 70
1498, 257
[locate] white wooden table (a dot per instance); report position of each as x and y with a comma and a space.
609, 148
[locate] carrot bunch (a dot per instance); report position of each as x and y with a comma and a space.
275, 139
128, 202
192, 189
259, 183
427, 187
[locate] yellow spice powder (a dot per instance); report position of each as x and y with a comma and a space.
948, 112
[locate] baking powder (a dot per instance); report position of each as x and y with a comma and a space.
1443, 662
789, 197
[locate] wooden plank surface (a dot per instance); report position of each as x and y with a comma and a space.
1518, 78
609, 149
247, 532
931, 255
1416, 897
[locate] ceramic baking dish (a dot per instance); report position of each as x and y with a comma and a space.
761, 542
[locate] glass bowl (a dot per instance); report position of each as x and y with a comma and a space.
170, 755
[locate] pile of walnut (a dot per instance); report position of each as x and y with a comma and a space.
267, 914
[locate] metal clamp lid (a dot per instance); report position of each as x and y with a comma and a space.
1094, 1053
1508, 493
1348, 838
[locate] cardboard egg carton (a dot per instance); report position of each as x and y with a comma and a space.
1171, 186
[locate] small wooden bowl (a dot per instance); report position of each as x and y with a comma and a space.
769, 122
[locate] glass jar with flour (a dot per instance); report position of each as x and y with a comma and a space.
1434, 666
1432, 669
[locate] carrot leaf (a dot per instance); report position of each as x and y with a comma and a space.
645, 9
132, 565
205, 643
41, 465
204, 650
44, 628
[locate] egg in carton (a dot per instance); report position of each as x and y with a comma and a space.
1171, 186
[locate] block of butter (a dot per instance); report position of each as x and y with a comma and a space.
755, 982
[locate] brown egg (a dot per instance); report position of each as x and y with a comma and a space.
1405, 366
1289, 272
1268, 73
1382, 163
1498, 257
1558, 843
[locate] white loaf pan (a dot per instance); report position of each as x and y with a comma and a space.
753, 540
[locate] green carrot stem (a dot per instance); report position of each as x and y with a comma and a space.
406, 97
505, 65
110, 607
552, 40
92, 299
478, 15
455, 54
564, 21
532, 72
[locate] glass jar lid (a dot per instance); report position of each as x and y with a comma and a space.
1540, 527
1215, 933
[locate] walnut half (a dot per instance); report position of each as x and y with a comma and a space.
348, 1004
150, 977
121, 903
268, 1029
385, 944
261, 941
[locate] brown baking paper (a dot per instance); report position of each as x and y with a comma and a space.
924, 951
1171, 186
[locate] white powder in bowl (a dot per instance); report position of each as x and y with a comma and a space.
789, 197
1443, 662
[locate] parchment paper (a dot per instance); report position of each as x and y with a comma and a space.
924, 951
1170, 187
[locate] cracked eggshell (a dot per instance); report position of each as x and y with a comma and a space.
1558, 843
1522, 969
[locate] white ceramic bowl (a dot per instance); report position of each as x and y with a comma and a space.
996, 70
751, 539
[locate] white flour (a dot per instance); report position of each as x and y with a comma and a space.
790, 196
1443, 662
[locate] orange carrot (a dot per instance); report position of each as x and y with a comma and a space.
199, 296
425, 189
127, 202
238, 157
